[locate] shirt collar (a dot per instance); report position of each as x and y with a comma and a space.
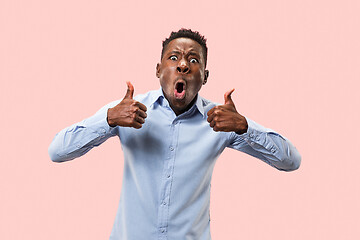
159, 98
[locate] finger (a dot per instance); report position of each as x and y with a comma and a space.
210, 118
227, 97
141, 106
215, 111
212, 124
141, 113
211, 111
139, 119
130, 91
136, 125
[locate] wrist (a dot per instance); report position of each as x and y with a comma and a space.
242, 126
109, 119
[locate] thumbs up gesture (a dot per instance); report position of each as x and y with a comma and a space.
129, 112
225, 118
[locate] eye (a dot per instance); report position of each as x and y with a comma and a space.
194, 60
173, 57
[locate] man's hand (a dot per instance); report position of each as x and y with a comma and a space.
128, 113
225, 118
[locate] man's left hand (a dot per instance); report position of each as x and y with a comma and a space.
225, 118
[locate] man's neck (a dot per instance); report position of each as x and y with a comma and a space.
177, 113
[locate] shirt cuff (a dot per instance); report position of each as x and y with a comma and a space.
98, 123
256, 135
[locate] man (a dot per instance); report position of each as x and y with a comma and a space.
171, 139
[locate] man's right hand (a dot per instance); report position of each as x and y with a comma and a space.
128, 113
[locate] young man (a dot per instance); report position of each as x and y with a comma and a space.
171, 139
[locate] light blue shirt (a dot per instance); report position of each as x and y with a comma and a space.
168, 165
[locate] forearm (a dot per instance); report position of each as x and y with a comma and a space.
79, 138
270, 147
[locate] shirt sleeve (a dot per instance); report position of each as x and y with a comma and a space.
79, 138
267, 145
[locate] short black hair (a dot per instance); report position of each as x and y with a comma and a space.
186, 33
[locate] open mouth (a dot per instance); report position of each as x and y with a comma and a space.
179, 91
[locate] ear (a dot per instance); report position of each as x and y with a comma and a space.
158, 66
206, 77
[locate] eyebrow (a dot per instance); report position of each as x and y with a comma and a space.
172, 52
194, 54
191, 53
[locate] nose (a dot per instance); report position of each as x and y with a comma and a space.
183, 67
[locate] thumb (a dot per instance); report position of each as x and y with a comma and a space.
227, 97
130, 91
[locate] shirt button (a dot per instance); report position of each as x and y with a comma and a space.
257, 138
171, 149
251, 135
78, 145
168, 176
162, 230
164, 203
252, 143
103, 130
273, 150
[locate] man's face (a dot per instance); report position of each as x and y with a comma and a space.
182, 73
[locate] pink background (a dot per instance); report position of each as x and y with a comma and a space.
295, 68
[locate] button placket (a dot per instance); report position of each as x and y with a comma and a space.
167, 181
